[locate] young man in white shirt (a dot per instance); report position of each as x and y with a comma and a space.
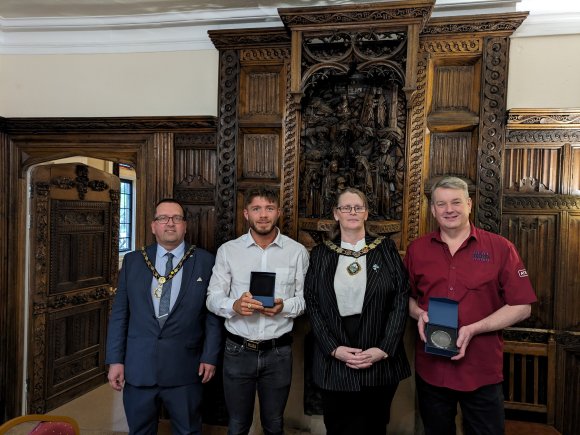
258, 353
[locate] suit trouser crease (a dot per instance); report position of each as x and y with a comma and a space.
142, 406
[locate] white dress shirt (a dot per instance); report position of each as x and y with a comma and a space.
350, 289
160, 263
235, 260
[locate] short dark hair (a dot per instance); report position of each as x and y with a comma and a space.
270, 193
171, 201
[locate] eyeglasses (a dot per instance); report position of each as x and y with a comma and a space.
348, 208
177, 219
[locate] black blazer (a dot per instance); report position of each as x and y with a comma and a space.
382, 321
167, 356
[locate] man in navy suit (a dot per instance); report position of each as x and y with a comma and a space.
162, 343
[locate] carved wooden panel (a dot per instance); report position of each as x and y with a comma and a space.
453, 153
80, 239
75, 350
456, 87
259, 155
569, 303
262, 92
195, 184
535, 237
575, 170
531, 168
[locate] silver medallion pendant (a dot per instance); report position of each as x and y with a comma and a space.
441, 339
353, 268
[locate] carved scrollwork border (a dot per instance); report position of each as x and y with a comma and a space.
451, 46
264, 54
38, 295
348, 15
227, 138
537, 202
492, 134
543, 119
543, 136
115, 196
416, 150
289, 225
477, 24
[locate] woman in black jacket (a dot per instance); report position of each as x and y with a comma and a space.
356, 293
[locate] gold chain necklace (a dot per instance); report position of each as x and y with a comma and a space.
163, 279
354, 267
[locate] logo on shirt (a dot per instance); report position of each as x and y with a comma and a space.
481, 256
522, 273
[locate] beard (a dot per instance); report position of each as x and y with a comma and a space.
264, 229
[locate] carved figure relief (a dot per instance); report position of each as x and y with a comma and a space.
352, 135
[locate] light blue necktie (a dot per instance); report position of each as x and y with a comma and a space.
165, 292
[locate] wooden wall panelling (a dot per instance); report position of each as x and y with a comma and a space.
540, 178
461, 87
7, 344
145, 143
195, 183
251, 144
535, 237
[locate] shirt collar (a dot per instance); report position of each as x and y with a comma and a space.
473, 234
177, 252
250, 240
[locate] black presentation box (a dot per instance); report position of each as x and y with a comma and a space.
441, 331
262, 286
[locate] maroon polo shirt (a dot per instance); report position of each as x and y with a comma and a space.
485, 274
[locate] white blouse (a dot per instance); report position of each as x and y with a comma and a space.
350, 289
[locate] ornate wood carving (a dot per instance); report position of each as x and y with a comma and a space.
226, 145
542, 202
290, 158
541, 136
245, 38
539, 118
264, 54
492, 133
498, 24
357, 14
529, 170
416, 154
110, 125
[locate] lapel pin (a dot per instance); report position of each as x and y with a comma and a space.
199, 279
376, 267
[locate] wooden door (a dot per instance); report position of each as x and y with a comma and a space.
73, 269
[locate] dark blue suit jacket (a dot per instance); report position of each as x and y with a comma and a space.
168, 356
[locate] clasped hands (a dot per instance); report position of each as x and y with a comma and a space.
246, 305
358, 358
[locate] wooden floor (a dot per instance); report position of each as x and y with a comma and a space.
524, 428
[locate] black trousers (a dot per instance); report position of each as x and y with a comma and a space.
482, 409
365, 412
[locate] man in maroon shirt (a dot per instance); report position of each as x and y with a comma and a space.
483, 272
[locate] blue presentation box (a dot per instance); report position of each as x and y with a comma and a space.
441, 331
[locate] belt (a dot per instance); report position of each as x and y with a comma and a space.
257, 345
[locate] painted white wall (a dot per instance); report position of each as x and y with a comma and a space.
137, 84
544, 72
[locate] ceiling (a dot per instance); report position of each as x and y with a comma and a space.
94, 8
112, 26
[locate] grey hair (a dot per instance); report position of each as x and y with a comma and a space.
451, 183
